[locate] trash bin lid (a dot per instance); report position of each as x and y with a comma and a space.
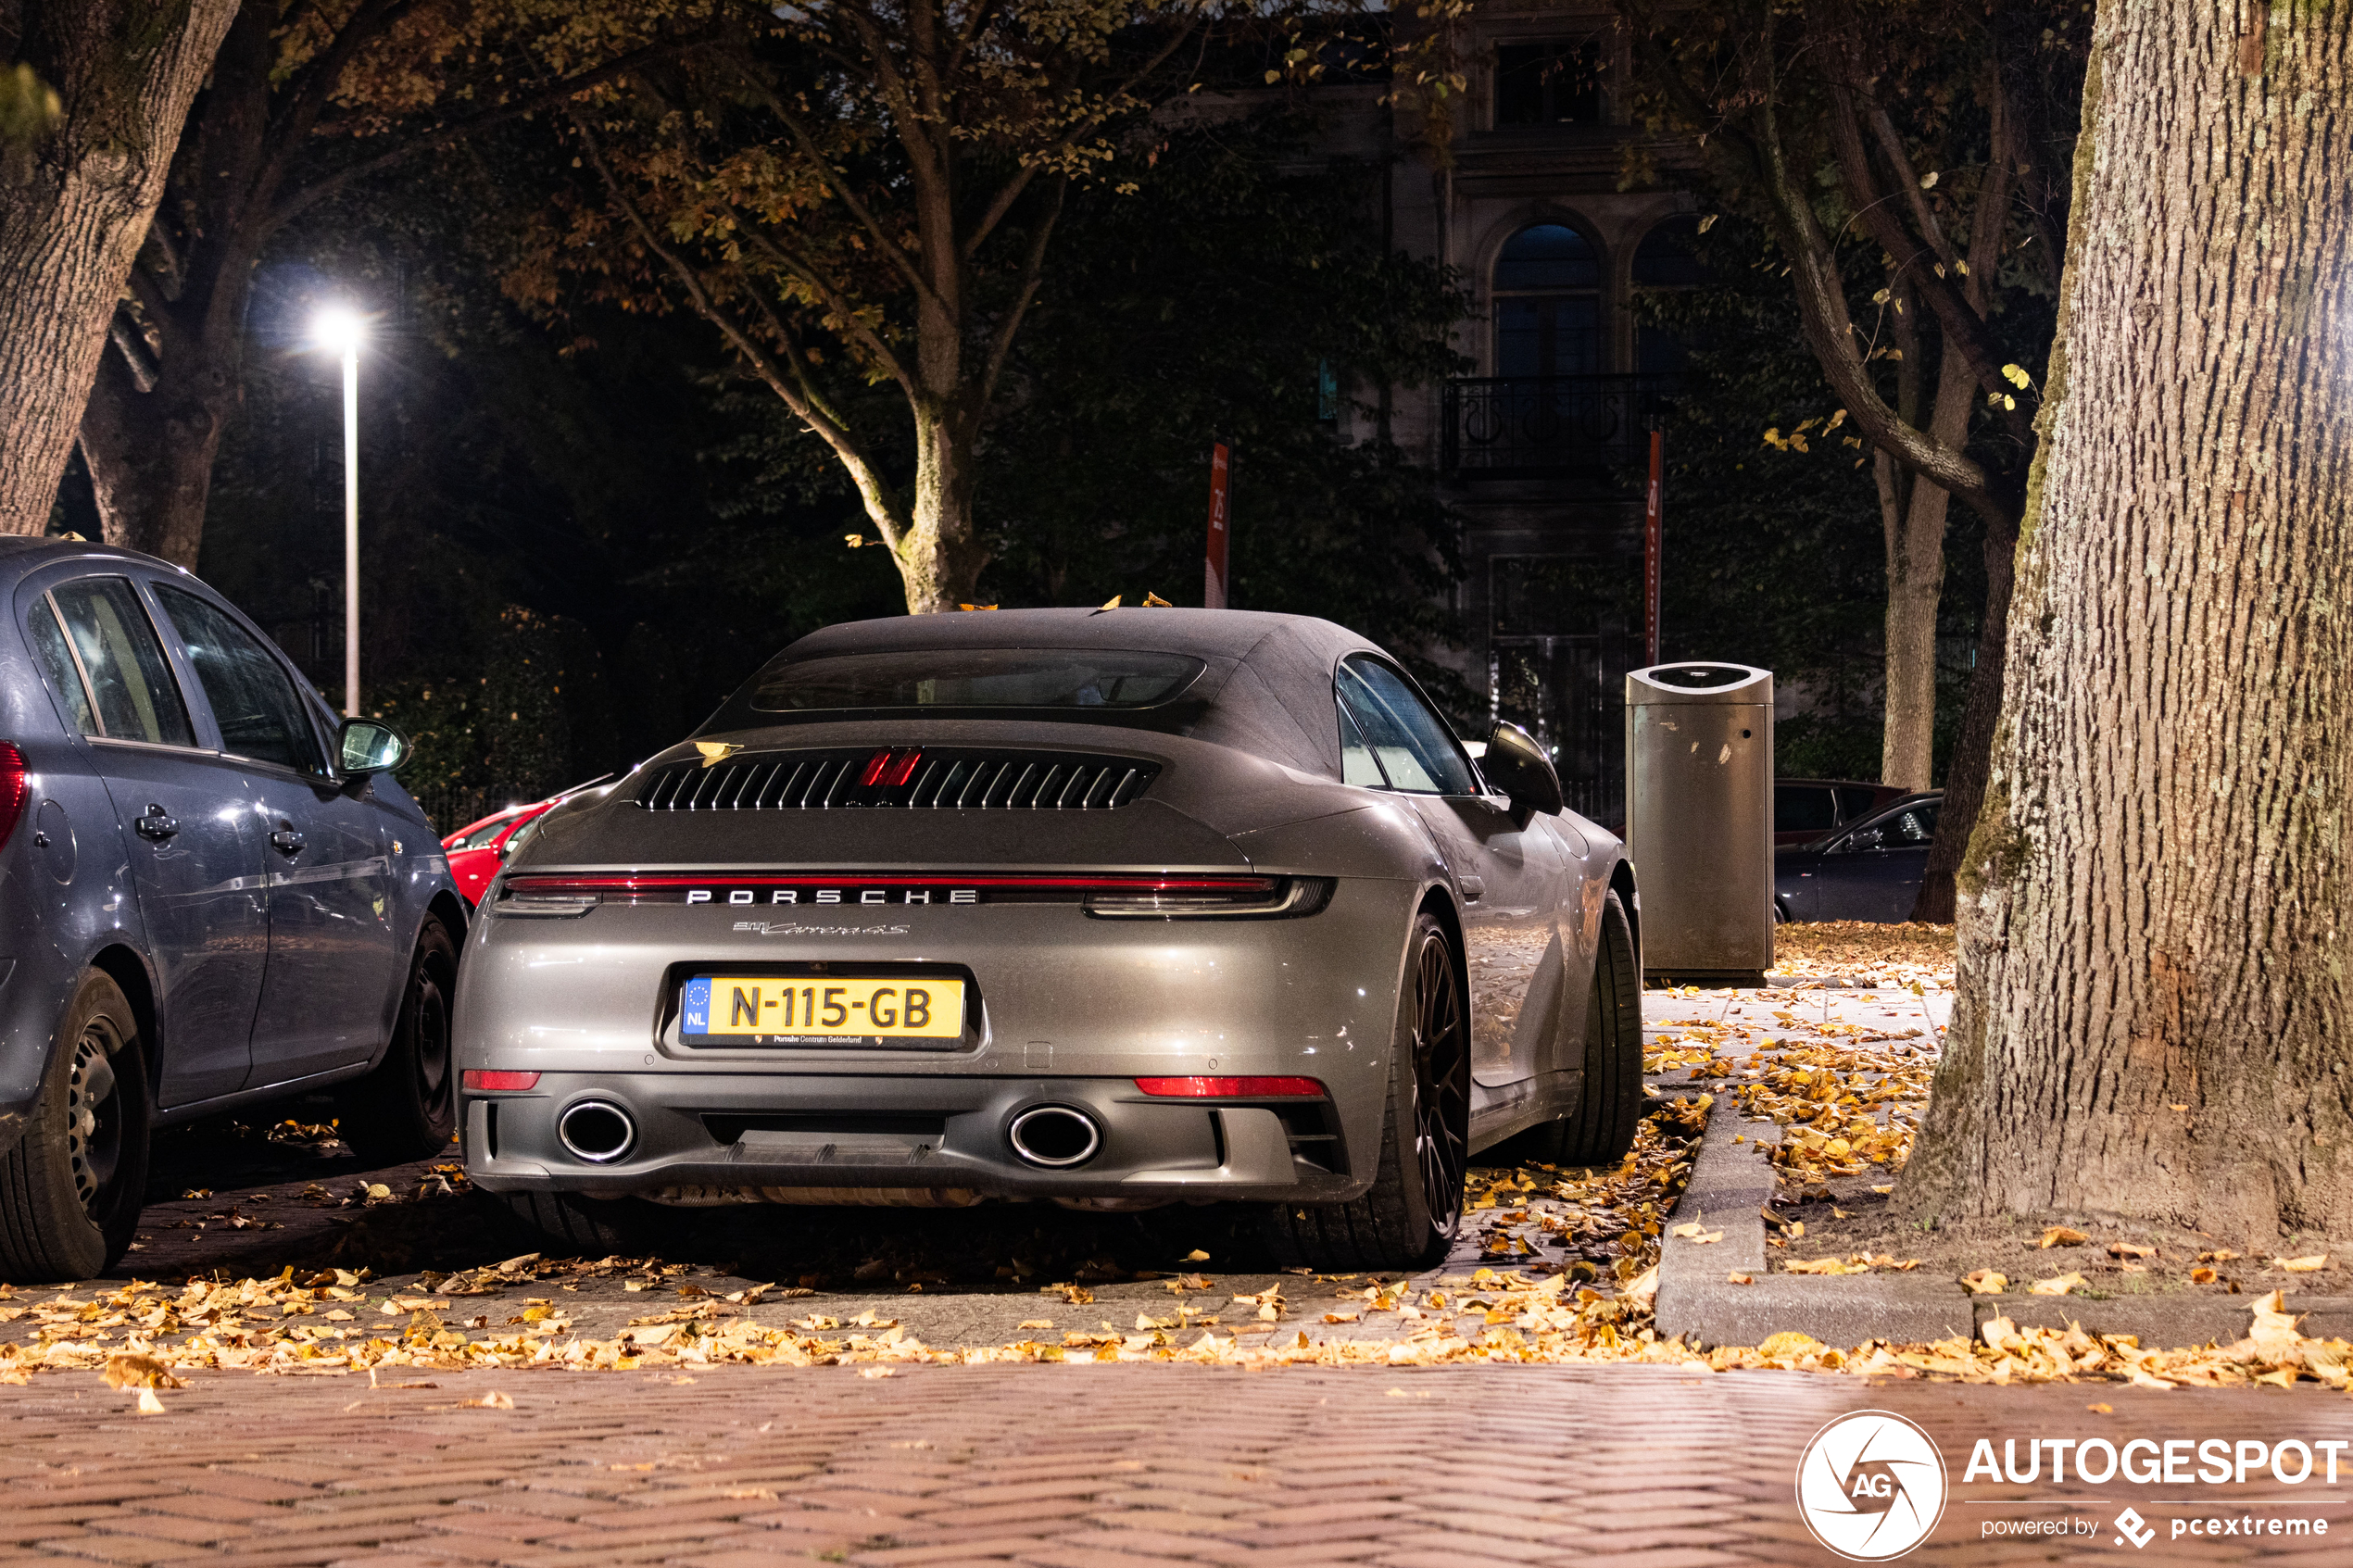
1698, 681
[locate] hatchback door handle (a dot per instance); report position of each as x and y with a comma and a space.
156, 824
286, 841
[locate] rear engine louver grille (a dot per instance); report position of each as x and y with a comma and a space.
920, 778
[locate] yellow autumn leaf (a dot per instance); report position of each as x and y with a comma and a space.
2302, 1265
2062, 1236
1986, 1282
2057, 1285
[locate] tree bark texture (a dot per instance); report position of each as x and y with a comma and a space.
2154, 1014
153, 424
74, 208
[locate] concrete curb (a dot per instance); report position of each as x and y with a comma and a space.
1729, 1187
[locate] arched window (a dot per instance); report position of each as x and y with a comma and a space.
1548, 308
1667, 259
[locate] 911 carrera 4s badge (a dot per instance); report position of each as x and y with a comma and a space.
819, 1010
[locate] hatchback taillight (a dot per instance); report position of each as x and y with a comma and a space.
16, 787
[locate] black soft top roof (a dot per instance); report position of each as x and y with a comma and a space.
1268, 690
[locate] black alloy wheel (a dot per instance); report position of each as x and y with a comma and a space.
1410, 1214
1442, 1082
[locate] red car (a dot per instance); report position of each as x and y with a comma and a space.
476, 849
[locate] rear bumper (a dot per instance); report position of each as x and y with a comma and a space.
710, 1138
1067, 1010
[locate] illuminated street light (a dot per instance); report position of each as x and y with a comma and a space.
340, 330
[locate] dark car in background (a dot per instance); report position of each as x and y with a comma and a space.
213, 895
1869, 871
1804, 810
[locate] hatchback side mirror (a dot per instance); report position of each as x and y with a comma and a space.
1868, 839
1517, 766
366, 746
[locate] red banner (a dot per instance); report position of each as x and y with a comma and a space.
1212, 592
1650, 558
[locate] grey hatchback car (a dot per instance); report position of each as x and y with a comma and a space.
212, 895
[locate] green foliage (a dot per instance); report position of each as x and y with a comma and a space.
29, 107
1201, 307
1212, 304
1774, 554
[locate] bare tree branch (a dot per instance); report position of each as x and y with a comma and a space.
881, 505
834, 181
1033, 268
544, 96
852, 324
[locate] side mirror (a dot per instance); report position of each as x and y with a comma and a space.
1517, 766
366, 746
1868, 838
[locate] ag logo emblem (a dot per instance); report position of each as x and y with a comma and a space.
1870, 1485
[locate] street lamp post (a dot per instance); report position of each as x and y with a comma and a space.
340, 330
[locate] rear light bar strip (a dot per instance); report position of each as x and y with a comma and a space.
630, 884
490, 1080
1232, 1088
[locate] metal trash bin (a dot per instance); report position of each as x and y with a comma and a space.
1699, 817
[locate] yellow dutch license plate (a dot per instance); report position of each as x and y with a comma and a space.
757, 1007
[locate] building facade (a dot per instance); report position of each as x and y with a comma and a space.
1557, 212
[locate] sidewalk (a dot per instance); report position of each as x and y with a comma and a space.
1063, 1467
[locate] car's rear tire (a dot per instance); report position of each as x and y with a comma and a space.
1609, 1112
567, 1222
407, 1107
1413, 1208
72, 1188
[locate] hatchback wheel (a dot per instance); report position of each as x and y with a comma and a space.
407, 1108
72, 1188
1411, 1214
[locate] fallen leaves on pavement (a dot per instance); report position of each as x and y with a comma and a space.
1907, 954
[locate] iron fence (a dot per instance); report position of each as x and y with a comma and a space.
1535, 427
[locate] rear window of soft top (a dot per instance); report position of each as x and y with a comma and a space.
975, 678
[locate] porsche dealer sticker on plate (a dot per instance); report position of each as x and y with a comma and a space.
754, 1009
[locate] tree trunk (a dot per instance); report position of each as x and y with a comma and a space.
939, 556
2154, 908
151, 453
1915, 527
74, 208
1973, 745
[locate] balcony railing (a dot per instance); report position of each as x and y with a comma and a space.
1546, 427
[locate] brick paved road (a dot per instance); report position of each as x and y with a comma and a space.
1070, 1466
1081, 1466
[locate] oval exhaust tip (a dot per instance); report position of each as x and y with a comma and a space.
1054, 1137
596, 1131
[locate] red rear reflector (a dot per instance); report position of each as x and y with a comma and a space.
487, 1079
14, 787
1232, 1088
874, 766
903, 771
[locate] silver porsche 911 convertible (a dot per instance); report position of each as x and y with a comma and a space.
1117, 909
